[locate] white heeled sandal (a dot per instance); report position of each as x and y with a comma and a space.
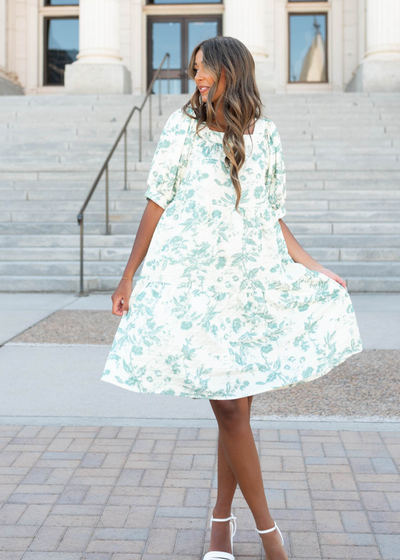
217, 555
270, 530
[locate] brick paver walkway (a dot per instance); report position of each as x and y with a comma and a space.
126, 493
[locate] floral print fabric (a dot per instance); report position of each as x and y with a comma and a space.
221, 310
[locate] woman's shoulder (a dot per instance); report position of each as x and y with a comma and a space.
271, 134
178, 121
270, 126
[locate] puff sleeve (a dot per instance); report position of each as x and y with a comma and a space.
275, 178
163, 173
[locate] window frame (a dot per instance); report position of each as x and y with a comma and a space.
171, 3
184, 37
47, 4
50, 12
46, 27
308, 13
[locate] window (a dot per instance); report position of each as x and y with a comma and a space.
158, 2
179, 35
61, 45
61, 3
307, 47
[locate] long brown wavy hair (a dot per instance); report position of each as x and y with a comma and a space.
240, 100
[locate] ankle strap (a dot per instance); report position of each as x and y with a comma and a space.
272, 529
226, 519
267, 530
232, 519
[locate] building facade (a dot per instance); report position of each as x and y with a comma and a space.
115, 46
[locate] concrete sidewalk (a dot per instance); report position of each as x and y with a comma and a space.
118, 493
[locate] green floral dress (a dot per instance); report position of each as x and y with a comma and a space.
221, 310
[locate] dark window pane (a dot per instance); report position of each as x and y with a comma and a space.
307, 35
185, 2
62, 3
62, 46
167, 38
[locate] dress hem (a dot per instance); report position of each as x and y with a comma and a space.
329, 368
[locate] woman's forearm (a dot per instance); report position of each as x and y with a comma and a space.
148, 223
297, 252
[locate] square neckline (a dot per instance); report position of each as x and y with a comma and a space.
251, 136
244, 135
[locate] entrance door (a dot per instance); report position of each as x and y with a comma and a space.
177, 35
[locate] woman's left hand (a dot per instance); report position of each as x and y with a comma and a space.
334, 276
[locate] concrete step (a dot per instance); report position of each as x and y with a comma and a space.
66, 241
341, 179
116, 253
43, 283
50, 229
135, 215
138, 203
352, 161
294, 121
130, 228
68, 150
314, 228
115, 267
366, 242
131, 197
65, 217
319, 188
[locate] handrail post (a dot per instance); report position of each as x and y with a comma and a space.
107, 228
126, 160
159, 96
81, 289
150, 135
140, 134
168, 74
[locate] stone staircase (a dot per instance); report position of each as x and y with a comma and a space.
341, 153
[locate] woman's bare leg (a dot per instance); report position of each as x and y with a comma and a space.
227, 483
241, 454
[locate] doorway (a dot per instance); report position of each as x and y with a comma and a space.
177, 35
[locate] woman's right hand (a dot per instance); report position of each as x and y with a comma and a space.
120, 298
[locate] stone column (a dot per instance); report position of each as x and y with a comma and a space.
3, 33
9, 84
99, 67
251, 22
379, 70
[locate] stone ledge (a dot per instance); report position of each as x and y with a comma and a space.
97, 78
376, 76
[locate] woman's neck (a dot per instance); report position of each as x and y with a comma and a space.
221, 126
220, 118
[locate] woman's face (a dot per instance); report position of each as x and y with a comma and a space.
204, 80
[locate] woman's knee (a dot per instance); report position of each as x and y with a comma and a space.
231, 413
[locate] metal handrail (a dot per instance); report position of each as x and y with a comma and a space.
104, 167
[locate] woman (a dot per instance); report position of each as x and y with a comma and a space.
228, 304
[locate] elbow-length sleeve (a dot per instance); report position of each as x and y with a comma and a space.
275, 178
163, 173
